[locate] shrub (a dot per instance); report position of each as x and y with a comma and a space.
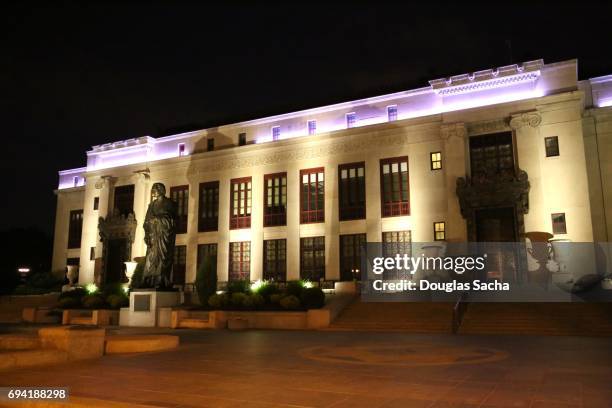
313, 298
238, 299
290, 302
267, 290
136, 281
69, 303
77, 293
113, 289
28, 290
9, 279
117, 301
239, 286
294, 288
93, 302
206, 279
255, 301
275, 298
218, 301
44, 280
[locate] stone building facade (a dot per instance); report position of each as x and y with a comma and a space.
481, 156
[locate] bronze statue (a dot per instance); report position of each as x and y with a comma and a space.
160, 235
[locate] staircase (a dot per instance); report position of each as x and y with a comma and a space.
552, 319
414, 317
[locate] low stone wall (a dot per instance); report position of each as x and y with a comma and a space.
39, 314
97, 317
220, 319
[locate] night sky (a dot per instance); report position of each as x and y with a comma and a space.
73, 76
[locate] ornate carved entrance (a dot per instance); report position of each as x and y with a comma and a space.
117, 234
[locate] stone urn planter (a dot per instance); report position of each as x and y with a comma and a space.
540, 251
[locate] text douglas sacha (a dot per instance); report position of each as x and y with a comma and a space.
408, 285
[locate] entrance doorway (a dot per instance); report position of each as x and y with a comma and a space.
115, 258
496, 230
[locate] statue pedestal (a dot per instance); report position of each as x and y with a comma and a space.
148, 308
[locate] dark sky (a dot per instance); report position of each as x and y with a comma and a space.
72, 76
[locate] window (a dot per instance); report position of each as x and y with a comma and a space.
312, 258
276, 133
181, 149
351, 250
207, 253
312, 195
275, 260
124, 199
352, 191
395, 189
241, 139
75, 181
397, 242
210, 145
240, 204
350, 120
209, 207
436, 160
73, 261
439, 231
552, 146
179, 265
558, 223
491, 156
96, 203
392, 113
240, 261
275, 199
92, 253
312, 127
75, 228
180, 195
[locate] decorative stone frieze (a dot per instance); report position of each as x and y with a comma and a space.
532, 119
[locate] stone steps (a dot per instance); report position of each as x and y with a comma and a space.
415, 317
562, 319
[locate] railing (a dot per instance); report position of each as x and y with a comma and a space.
271, 220
396, 208
459, 311
308, 216
240, 222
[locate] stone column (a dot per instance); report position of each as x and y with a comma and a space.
454, 166
257, 234
293, 223
142, 196
529, 153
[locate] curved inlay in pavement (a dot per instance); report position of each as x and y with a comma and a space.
404, 354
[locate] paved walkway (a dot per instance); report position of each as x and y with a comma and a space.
343, 369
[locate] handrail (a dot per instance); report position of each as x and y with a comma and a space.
458, 311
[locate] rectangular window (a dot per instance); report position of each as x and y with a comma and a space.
312, 195
436, 160
180, 195
312, 258
276, 133
558, 223
241, 139
181, 149
275, 260
392, 113
209, 207
92, 253
491, 156
207, 253
75, 181
351, 250
351, 118
275, 199
312, 127
240, 203
240, 261
180, 265
124, 199
351, 186
439, 230
397, 242
210, 145
96, 203
395, 188
73, 261
75, 228
552, 146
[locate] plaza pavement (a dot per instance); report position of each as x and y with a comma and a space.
340, 369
